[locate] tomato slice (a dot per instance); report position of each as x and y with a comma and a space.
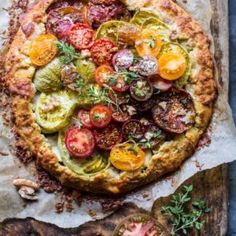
43, 49
103, 51
148, 43
108, 137
119, 114
81, 36
84, 118
103, 74
127, 157
172, 66
160, 84
119, 84
100, 116
79, 142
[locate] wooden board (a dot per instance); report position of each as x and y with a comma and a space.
211, 185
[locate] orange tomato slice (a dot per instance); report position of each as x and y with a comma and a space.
127, 157
172, 66
148, 43
43, 49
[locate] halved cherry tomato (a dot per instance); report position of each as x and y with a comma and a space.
100, 116
148, 43
119, 84
160, 84
84, 118
127, 157
172, 66
103, 51
79, 142
108, 137
119, 114
103, 74
81, 36
43, 49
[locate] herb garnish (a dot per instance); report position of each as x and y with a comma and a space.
152, 42
66, 52
133, 149
183, 220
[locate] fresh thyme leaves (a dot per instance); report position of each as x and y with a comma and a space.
152, 43
129, 76
181, 219
66, 52
133, 149
99, 95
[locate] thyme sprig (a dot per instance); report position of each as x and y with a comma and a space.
66, 52
181, 219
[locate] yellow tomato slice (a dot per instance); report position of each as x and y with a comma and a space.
172, 66
127, 157
43, 49
149, 43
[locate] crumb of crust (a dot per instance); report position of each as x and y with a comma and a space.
205, 140
46, 182
92, 213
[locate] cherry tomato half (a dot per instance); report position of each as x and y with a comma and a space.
84, 118
160, 84
81, 36
79, 142
127, 157
103, 74
43, 49
103, 51
100, 116
172, 66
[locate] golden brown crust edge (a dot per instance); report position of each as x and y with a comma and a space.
20, 72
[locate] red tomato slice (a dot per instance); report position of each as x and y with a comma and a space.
100, 116
79, 142
120, 85
103, 74
119, 114
81, 36
103, 51
84, 118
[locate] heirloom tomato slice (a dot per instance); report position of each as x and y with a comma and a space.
81, 36
103, 51
108, 137
172, 66
79, 142
43, 49
127, 157
148, 43
100, 116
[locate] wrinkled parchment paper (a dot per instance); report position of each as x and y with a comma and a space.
221, 150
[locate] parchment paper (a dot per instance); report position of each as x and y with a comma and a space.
221, 150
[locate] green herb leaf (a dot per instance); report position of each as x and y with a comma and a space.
183, 220
66, 52
133, 149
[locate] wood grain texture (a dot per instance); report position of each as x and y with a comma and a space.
211, 186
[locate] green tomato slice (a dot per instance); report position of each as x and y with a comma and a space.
91, 166
48, 78
86, 70
177, 48
54, 110
109, 30
140, 18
